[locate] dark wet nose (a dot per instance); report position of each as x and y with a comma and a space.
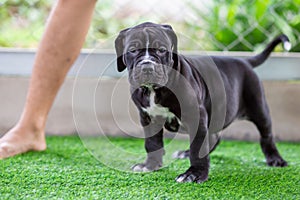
147, 68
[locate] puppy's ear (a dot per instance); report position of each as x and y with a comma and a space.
167, 26
173, 38
119, 46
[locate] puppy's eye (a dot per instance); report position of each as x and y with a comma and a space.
161, 50
132, 50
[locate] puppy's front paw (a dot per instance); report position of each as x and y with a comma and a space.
142, 167
193, 175
276, 161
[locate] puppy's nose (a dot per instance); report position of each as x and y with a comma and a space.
147, 68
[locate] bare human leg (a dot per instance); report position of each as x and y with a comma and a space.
61, 43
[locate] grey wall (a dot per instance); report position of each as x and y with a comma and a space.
106, 107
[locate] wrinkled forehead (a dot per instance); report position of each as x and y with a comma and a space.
148, 37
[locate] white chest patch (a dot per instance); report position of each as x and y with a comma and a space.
155, 110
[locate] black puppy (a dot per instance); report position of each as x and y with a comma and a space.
199, 95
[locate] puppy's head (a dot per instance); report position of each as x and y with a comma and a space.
148, 51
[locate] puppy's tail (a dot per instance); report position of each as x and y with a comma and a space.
260, 58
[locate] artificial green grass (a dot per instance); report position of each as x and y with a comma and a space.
66, 170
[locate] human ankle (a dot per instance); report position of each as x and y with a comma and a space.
29, 128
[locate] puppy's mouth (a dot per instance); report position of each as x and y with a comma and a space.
151, 85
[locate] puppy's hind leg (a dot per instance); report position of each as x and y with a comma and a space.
258, 113
181, 154
214, 140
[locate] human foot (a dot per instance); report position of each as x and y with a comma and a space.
20, 140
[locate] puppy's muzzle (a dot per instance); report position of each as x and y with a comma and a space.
147, 67
148, 71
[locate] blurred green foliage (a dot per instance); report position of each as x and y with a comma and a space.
233, 25
22, 22
245, 25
